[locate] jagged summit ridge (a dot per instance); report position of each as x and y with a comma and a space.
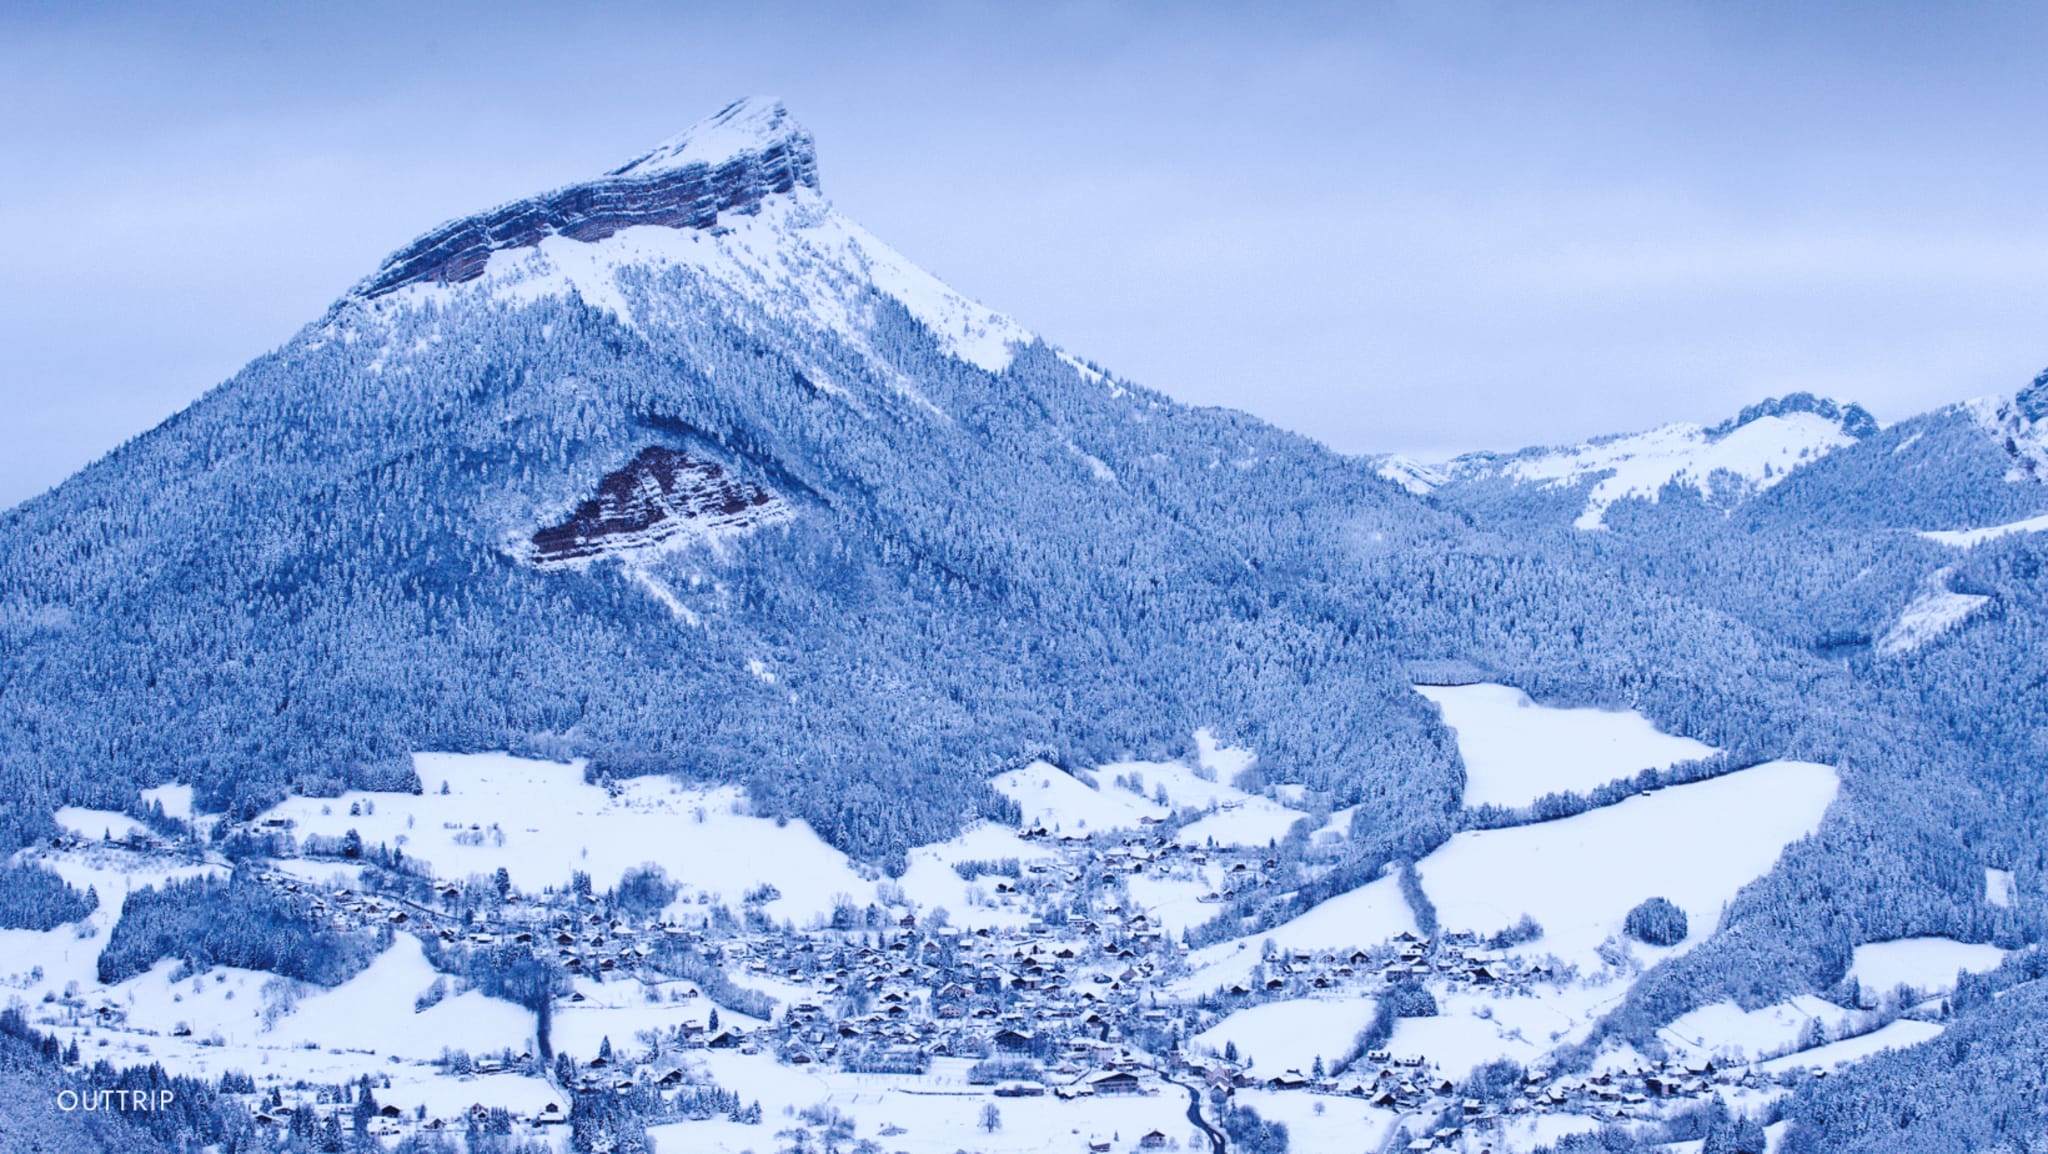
726, 216
757, 125
729, 162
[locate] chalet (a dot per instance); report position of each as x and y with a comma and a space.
1115, 1082
1153, 1140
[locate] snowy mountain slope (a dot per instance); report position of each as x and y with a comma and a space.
736, 202
1415, 476
1936, 610
1751, 452
1957, 468
2020, 426
561, 477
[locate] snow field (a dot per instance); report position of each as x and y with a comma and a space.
1725, 1030
1932, 613
1896, 1036
1225, 761
176, 800
1998, 887
371, 1013
1970, 538
1175, 903
1281, 1036
98, 824
72, 952
1064, 804
1345, 1124
1926, 965
1516, 751
796, 259
540, 822
1242, 819
936, 1114
1694, 844
931, 883
1472, 1028
620, 1010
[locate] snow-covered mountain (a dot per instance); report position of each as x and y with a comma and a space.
2020, 426
1748, 453
563, 475
735, 203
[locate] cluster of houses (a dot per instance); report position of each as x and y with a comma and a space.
1459, 958
1069, 1005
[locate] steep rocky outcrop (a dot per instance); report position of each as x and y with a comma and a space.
663, 494
749, 151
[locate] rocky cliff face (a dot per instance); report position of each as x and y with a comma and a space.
2020, 426
662, 495
728, 163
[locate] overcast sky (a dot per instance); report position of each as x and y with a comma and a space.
1413, 227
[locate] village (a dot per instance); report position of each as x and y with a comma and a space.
1084, 997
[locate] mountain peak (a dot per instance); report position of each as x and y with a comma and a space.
1855, 421
755, 125
729, 162
2032, 401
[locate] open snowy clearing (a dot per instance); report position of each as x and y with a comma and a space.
99, 824
540, 822
1516, 751
372, 1012
930, 882
1064, 804
1343, 1124
1579, 876
938, 1113
1725, 1030
1935, 611
1241, 819
620, 1010
1970, 538
1291, 1035
176, 800
1927, 966
1067, 805
1175, 903
1474, 1027
1833, 1056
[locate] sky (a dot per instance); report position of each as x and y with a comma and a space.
1423, 228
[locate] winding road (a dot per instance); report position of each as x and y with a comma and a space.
1216, 1143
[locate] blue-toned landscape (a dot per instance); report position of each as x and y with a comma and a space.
651, 667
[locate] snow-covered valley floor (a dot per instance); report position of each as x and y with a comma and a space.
1039, 971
